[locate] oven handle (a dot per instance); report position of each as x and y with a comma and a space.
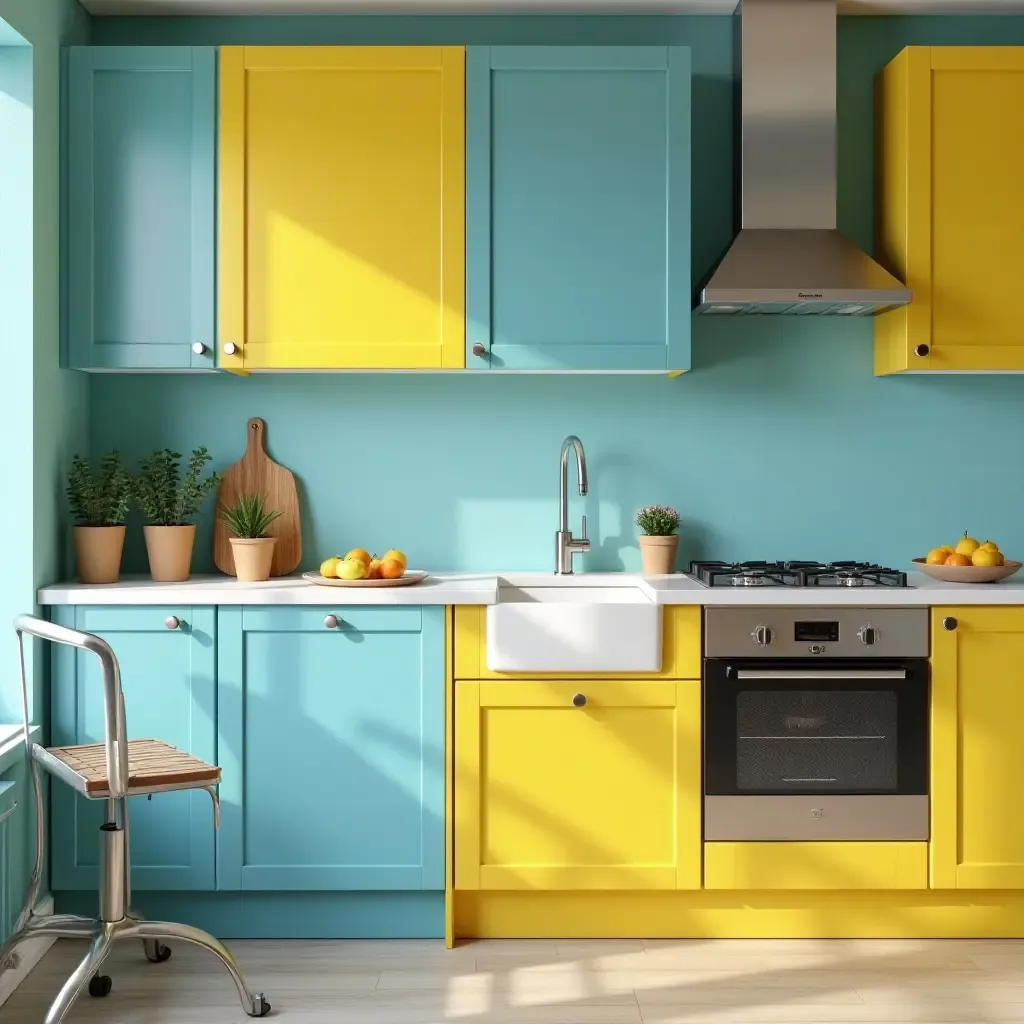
837, 673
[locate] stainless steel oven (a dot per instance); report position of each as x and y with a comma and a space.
816, 723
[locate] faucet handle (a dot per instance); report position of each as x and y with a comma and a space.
584, 537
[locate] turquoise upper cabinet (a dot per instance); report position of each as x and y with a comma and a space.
169, 683
578, 208
331, 738
140, 205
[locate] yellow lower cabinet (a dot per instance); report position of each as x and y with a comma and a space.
588, 784
816, 865
977, 748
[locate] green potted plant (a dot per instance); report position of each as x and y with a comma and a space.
99, 502
169, 500
251, 548
659, 542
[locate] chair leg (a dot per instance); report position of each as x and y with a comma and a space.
103, 939
254, 1003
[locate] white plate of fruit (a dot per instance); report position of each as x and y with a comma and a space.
970, 561
361, 569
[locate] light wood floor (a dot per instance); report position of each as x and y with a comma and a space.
549, 982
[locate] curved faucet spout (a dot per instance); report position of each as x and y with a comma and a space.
572, 441
565, 543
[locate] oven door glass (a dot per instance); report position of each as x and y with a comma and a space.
838, 728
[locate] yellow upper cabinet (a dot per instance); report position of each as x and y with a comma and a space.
951, 208
342, 228
977, 839
591, 784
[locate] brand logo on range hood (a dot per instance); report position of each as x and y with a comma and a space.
809, 295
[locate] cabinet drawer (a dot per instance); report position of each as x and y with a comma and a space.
815, 865
352, 619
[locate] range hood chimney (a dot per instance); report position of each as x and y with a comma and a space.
788, 257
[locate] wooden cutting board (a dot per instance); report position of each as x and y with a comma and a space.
256, 473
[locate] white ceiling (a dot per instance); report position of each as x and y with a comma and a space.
525, 6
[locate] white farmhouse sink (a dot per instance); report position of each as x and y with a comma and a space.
573, 629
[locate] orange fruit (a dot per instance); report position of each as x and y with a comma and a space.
373, 573
391, 568
397, 556
958, 559
937, 556
359, 554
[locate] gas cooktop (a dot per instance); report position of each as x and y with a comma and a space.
796, 574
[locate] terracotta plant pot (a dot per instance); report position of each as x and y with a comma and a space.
252, 557
170, 552
98, 553
658, 554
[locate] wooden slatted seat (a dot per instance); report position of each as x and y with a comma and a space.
151, 763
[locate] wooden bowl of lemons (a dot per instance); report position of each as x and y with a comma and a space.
969, 561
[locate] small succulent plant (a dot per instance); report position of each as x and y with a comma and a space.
248, 517
658, 520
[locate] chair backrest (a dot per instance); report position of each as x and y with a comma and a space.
115, 738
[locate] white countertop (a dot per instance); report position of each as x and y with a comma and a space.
482, 589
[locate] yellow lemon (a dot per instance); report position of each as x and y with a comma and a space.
985, 557
967, 545
352, 569
329, 568
989, 545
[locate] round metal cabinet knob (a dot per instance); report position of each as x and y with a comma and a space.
578, 700
949, 623
230, 348
479, 350
172, 622
199, 348
331, 621
922, 350
763, 635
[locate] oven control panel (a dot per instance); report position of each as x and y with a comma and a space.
853, 632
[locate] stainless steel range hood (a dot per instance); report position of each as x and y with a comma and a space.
788, 257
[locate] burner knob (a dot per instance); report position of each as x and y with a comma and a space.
868, 635
763, 635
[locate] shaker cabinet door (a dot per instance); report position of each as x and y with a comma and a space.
589, 784
951, 219
578, 208
140, 207
977, 839
342, 231
168, 679
331, 723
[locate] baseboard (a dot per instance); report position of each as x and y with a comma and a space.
29, 954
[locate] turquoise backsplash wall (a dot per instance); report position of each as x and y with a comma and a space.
780, 442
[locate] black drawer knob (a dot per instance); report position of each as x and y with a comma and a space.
949, 623
578, 700
921, 350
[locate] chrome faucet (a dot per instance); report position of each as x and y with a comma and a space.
565, 544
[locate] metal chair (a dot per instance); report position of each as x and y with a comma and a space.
110, 771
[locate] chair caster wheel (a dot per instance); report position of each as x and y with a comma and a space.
260, 1006
157, 952
100, 985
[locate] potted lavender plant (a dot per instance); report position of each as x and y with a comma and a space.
659, 542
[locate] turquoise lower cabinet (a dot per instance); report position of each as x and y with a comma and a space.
331, 740
167, 658
141, 162
578, 208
